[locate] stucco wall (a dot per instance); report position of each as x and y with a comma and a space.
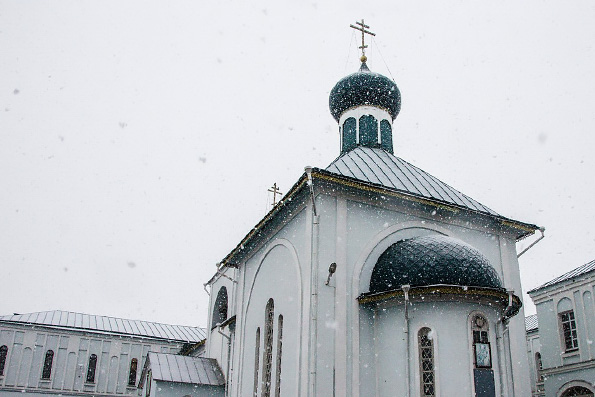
27, 347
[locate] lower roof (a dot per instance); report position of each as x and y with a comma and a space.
579, 271
88, 322
185, 369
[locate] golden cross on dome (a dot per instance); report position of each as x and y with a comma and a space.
362, 28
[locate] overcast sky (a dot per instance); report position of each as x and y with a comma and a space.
138, 138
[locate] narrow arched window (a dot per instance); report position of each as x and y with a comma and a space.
3, 354
426, 362
256, 361
481, 342
91, 368
267, 360
47, 365
279, 353
149, 381
368, 131
220, 308
349, 140
538, 367
386, 136
132, 372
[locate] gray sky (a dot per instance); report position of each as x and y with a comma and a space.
138, 138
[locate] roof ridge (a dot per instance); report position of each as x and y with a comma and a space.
576, 272
100, 315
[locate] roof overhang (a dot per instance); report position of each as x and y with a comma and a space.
508, 302
518, 229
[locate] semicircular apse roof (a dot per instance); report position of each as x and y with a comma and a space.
432, 260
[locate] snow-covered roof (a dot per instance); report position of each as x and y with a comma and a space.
579, 271
121, 326
531, 323
377, 166
185, 369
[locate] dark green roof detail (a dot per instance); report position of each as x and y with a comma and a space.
432, 260
365, 88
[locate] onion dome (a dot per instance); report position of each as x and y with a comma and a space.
365, 88
432, 260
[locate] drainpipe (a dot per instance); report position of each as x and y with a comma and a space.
227, 380
405, 289
542, 230
504, 348
313, 285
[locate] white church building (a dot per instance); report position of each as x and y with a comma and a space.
371, 278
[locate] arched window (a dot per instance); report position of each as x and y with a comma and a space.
538, 367
386, 136
279, 352
3, 354
577, 391
220, 308
481, 342
91, 368
149, 381
426, 363
132, 372
349, 135
267, 360
256, 361
47, 365
368, 131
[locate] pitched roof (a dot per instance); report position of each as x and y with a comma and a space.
121, 326
579, 271
375, 165
531, 323
185, 369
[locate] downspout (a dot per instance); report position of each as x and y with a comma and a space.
227, 380
405, 289
542, 230
502, 346
313, 286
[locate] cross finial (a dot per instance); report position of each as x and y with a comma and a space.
362, 28
275, 190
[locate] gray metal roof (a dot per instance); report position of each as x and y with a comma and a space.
531, 323
80, 321
185, 369
377, 166
579, 271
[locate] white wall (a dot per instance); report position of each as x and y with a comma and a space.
28, 345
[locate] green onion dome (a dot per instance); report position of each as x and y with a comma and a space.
432, 260
365, 88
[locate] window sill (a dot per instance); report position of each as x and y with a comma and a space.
571, 353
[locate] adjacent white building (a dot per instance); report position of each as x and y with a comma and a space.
560, 343
372, 278
65, 353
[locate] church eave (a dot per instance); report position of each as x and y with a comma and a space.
519, 229
234, 258
446, 293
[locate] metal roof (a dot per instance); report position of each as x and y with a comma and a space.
80, 321
432, 260
185, 369
579, 271
531, 323
377, 166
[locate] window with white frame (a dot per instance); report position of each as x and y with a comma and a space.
267, 359
482, 352
568, 326
426, 363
